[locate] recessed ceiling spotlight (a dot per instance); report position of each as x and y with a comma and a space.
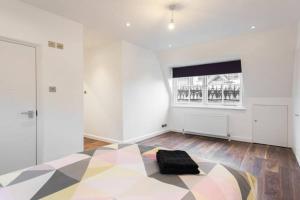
128, 24
253, 27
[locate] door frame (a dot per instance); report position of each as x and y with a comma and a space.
37, 48
287, 119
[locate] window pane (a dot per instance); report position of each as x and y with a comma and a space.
196, 89
232, 87
224, 88
214, 88
182, 90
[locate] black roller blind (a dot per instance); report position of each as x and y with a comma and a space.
228, 67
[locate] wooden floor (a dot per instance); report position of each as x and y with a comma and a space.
92, 144
276, 168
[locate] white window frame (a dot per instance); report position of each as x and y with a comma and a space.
205, 102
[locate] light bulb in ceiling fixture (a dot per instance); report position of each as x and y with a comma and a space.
253, 27
171, 25
128, 24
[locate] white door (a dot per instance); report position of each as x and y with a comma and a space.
270, 125
17, 106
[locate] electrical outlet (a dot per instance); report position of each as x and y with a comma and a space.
164, 125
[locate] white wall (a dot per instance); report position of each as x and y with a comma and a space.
127, 99
267, 60
145, 96
103, 83
60, 123
296, 100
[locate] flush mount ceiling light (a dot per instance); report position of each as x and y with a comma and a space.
253, 27
128, 24
171, 25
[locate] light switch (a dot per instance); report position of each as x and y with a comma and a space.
52, 89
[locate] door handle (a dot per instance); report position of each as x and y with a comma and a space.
297, 115
29, 113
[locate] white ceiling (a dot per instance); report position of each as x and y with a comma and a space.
196, 20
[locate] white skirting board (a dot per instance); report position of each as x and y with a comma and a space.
241, 139
132, 140
104, 139
141, 138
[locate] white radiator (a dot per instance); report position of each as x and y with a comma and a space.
206, 124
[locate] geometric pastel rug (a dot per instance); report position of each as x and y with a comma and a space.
124, 172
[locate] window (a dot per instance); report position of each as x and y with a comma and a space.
209, 84
221, 89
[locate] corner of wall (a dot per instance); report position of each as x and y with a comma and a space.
103, 101
296, 106
298, 41
297, 154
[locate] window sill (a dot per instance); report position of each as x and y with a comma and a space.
209, 107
